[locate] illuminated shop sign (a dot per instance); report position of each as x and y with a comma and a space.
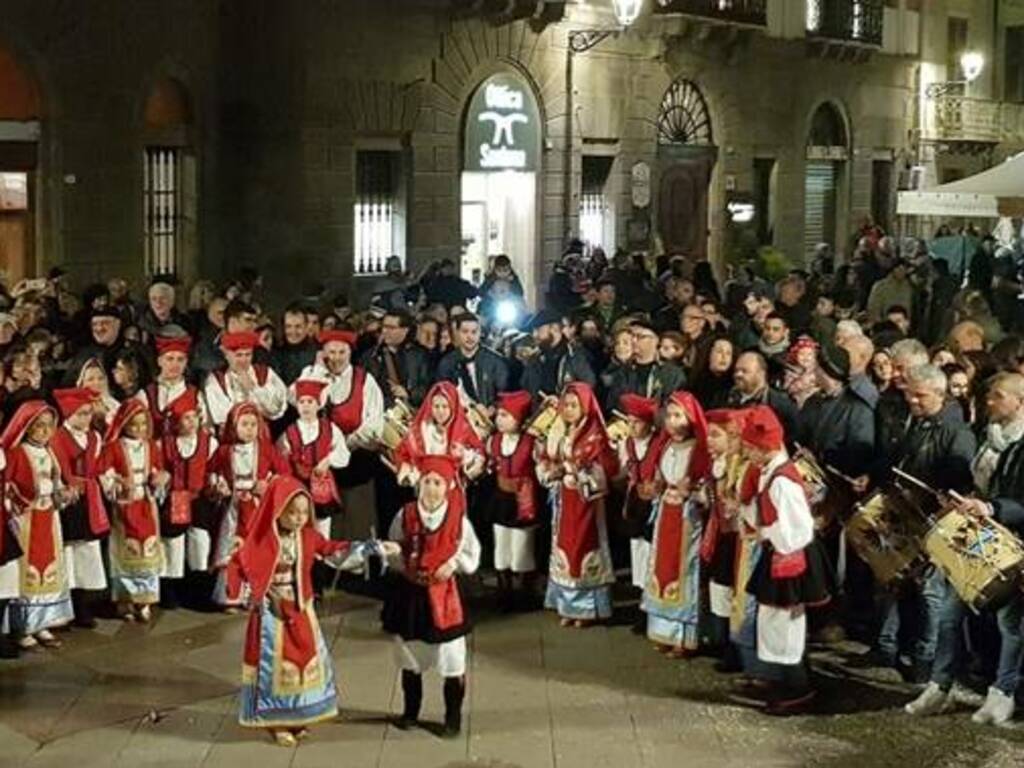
502, 127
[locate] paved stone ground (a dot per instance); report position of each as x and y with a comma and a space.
539, 697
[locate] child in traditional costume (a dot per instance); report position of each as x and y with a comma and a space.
134, 479
638, 455
790, 573
287, 673
170, 383
92, 375
314, 446
730, 547
514, 498
243, 465
426, 612
440, 428
576, 463
84, 521
187, 515
34, 493
672, 594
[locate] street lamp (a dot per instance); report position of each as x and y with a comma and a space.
971, 64
626, 13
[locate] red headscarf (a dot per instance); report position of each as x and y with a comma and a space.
700, 459
338, 335
229, 432
643, 408
27, 412
458, 428
802, 343
260, 549
70, 401
128, 410
763, 429
731, 418
590, 443
181, 405
517, 404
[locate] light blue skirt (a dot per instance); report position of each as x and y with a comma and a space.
584, 603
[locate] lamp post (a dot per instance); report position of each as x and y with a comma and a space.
626, 13
971, 65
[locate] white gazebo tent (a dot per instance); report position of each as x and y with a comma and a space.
997, 192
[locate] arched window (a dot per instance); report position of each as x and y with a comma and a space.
168, 179
684, 117
827, 128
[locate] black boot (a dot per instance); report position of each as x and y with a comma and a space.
505, 594
9, 648
81, 603
412, 691
169, 600
454, 693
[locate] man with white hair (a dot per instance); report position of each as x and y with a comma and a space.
937, 447
161, 317
892, 410
999, 483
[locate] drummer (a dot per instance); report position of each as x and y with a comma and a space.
837, 425
999, 483
937, 447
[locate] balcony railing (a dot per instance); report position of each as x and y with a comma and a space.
857, 21
953, 117
738, 11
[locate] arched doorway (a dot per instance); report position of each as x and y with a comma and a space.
500, 166
686, 157
20, 115
169, 180
824, 176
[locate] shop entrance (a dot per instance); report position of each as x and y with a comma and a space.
499, 180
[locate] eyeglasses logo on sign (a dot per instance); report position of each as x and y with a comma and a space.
501, 152
502, 125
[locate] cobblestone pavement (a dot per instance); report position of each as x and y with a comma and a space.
539, 696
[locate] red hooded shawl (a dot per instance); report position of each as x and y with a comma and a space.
458, 429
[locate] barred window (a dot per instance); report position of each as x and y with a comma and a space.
378, 210
597, 214
163, 209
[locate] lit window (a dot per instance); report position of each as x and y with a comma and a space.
597, 214
162, 209
378, 212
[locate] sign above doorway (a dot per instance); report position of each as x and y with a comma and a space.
502, 130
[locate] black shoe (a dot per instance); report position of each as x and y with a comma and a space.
729, 664
9, 649
81, 604
454, 693
918, 673
404, 723
169, 595
412, 692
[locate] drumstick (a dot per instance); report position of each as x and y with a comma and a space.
840, 475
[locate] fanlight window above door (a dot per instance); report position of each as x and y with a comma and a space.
684, 117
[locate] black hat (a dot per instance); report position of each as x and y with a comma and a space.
545, 317
835, 361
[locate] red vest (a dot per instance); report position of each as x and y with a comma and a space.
349, 414
304, 457
80, 467
517, 471
425, 551
187, 474
783, 566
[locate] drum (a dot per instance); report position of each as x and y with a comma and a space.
885, 531
618, 430
982, 560
479, 421
397, 419
543, 422
814, 477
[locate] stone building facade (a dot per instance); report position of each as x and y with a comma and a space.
284, 118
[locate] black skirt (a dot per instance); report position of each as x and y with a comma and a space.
638, 517
74, 523
722, 568
361, 469
501, 507
407, 613
809, 588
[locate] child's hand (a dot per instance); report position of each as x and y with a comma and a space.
261, 487
445, 572
161, 479
389, 548
323, 467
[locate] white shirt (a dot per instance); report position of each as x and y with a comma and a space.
794, 528
339, 388
271, 398
466, 558
165, 394
309, 433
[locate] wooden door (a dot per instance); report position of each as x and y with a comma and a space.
15, 244
683, 207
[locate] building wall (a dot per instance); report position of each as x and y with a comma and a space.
286, 93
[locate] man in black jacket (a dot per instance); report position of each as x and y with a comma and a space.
479, 373
557, 363
751, 388
397, 363
937, 448
649, 376
998, 470
296, 350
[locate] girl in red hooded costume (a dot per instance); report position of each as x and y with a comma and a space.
243, 465
133, 478
34, 493
672, 593
287, 674
440, 428
576, 463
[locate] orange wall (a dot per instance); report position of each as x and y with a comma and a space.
19, 97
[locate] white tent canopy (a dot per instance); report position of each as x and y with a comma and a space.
999, 191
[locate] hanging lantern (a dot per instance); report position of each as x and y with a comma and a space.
627, 11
